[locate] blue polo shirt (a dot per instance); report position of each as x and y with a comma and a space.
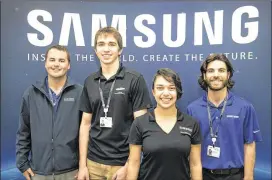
238, 126
54, 98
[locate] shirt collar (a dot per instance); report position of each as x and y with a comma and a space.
229, 101
49, 89
152, 116
120, 73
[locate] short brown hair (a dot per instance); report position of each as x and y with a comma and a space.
60, 48
112, 31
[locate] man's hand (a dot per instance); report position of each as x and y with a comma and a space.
28, 173
248, 178
83, 174
120, 174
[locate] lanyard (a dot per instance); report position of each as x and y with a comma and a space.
210, 118
106, 107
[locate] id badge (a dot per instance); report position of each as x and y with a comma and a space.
106, 122
213, 151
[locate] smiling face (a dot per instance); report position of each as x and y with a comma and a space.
57, 63
107, 49
216, 75
165, 93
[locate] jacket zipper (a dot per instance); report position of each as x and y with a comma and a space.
53, 118
53, 155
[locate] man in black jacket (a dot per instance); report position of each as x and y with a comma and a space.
49, 123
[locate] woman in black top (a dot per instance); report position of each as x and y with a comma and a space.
170, 140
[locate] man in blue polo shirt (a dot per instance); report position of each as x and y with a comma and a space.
228, 124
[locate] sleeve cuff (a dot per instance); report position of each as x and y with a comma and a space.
257, 136
24, 167
196, 142
135, 142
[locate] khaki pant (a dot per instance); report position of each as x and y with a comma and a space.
99, 171
65, 176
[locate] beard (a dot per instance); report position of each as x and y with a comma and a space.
218, 88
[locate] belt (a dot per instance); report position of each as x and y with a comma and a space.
224, 171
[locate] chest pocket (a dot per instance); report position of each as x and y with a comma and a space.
235, 121
185, 130
120, 93
185, 133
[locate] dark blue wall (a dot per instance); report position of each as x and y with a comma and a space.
252, 74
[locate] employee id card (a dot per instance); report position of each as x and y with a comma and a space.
106, 122
213, 151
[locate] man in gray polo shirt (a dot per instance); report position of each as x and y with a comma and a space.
111, 99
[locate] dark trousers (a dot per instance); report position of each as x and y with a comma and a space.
210, 176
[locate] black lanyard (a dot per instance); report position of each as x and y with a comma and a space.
210, 118
106, 107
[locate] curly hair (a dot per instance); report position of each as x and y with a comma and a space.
203, 69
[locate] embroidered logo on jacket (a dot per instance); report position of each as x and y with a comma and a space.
69, 99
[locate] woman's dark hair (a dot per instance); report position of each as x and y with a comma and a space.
170, 76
